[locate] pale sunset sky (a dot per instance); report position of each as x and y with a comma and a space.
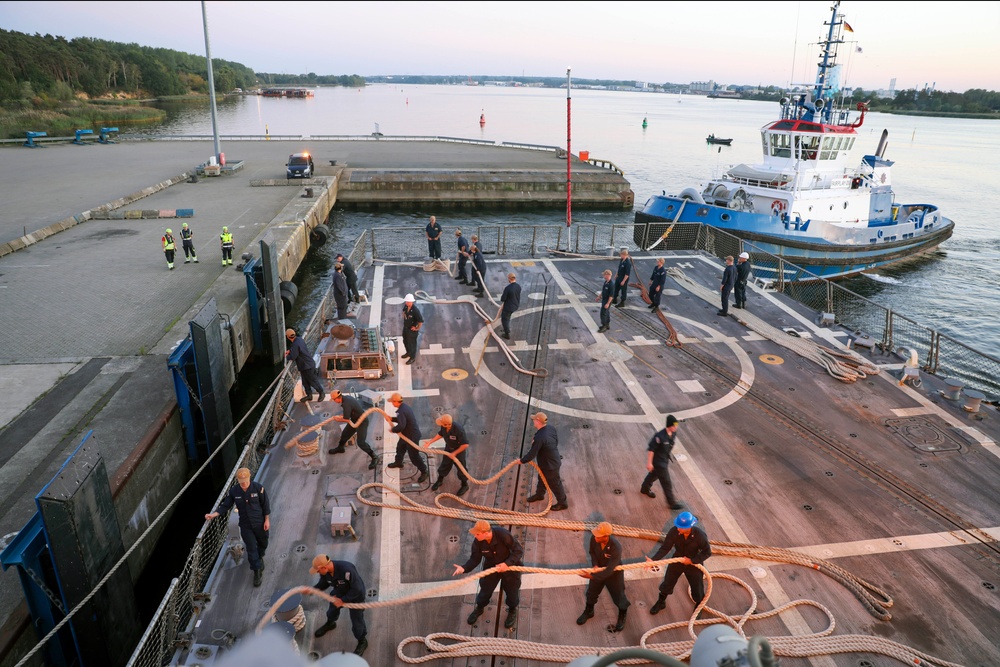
954, 45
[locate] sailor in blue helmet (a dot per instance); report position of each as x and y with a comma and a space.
689, 543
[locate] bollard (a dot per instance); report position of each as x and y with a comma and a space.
972, 400
953, 391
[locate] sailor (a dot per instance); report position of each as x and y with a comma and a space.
299, 353
656, 281
346, 584
353, 409
605, 551
433, 231
478, 270
624, 273
728, 282
340, 290
168, 247
494, 547
463, 257
510, 301
187, 240
456, 442
255, 519
689, 543
545, 445
226, 243
412, 323
742, 275
406, 426
352, 278
657, 462
606, 299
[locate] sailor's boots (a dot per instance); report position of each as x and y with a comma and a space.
325, 628
588, 613
620, 623
661, 602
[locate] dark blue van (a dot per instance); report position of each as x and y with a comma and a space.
300, 165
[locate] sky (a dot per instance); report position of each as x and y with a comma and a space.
951, 46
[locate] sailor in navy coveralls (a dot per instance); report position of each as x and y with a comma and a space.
251, 502
346, 585
606, 552
494, 547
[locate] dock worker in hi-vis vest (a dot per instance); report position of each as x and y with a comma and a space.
187, 240
168, 247
226, 241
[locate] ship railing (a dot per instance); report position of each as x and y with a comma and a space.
184, 598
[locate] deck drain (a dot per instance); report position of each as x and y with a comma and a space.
659, 356
923, 465
438, 409
483, 432
314, 471
619, 399
727, 482
707, 393
378, 437
618, 492
808, 508
828, 473
751, 443
376, 512
564, 380
988, 586
300, 549
865, 407
898, 543
453, 538
649, 376
586, 426
372, 592
503, 363
791, 389
865, 663
854, 435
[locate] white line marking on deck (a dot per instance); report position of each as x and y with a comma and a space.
642, 340
437, 348
564, 344
579, 392
689, 386
911, 412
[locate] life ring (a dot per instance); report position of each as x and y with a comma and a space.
777, 207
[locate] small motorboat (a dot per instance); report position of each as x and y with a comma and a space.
712, 139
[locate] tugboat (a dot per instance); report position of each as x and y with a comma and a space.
806, 202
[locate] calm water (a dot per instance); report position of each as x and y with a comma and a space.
947, 162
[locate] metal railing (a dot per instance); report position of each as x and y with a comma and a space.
182, 600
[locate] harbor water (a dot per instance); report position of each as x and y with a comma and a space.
942, 161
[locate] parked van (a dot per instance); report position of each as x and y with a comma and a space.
300, 165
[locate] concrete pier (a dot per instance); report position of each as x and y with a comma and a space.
90, 310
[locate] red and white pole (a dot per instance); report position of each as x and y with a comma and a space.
569, 157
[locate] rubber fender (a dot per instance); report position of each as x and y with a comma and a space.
289, 292
319, 235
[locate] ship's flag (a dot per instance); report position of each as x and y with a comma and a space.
847, 27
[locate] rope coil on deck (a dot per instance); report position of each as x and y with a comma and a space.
845, 365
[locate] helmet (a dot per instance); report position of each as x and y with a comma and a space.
170, 231
184, 225
225, 229
685, 520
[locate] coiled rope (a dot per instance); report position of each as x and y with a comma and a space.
845, 365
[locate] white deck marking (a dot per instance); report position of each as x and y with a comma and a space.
437, 348
911, 412
564, 344
642, 340
689, 386
579, 392
479, 350
753, 335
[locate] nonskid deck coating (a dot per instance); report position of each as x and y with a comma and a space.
773, 454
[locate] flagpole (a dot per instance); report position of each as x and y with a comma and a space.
569, 162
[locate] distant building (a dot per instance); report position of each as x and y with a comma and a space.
702, 86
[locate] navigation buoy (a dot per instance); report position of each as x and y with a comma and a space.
482, 119
644, 123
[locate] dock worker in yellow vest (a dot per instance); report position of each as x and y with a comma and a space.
226, 240
168, 248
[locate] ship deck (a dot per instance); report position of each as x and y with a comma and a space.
895, 485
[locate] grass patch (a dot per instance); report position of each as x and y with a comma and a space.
67, 120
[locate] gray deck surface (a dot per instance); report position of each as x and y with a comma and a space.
798, 460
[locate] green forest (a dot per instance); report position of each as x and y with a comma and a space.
55, 85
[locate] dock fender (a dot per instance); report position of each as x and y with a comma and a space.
693, 194
319, 235
289, 292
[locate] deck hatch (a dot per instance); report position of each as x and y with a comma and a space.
923, 435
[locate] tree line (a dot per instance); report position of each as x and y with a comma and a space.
38, 70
